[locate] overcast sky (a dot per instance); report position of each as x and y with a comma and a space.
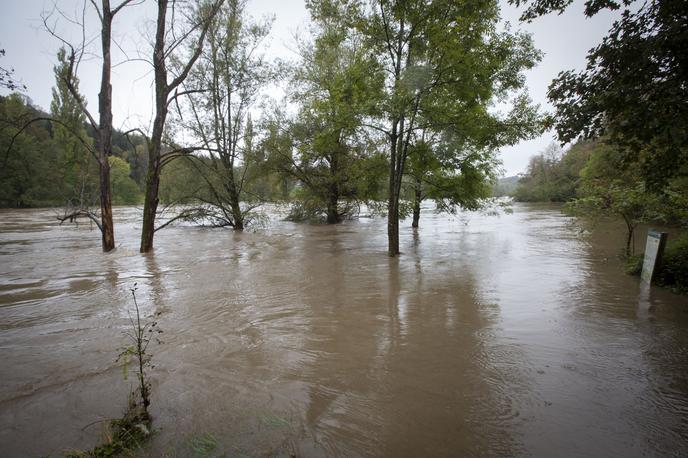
30, 50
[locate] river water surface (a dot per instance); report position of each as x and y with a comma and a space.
516, 335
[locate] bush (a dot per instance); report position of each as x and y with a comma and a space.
634, 264
673, 272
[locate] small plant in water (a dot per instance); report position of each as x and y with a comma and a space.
141, 335
129, 432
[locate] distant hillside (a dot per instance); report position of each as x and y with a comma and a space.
506, 186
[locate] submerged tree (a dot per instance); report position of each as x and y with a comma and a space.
454, 174
336, 82
445, 63
103, 127
222, 89
167, 42
609, 188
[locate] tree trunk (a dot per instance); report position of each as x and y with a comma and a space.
629, 242
150, 204
237, 215
418, 197
108, 230
150, 208
333, 216
393, 225
105, 133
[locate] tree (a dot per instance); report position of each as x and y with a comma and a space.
166, 93
74, 158
7, 78
607, 188
634, 89
222, 89
28, 167
630, 202
124, 189
336, 82
554, 175
445, 63
452, 173
633, 97
102, 127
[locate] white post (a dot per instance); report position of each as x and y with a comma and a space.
654, 248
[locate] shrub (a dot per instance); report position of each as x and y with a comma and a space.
673, 272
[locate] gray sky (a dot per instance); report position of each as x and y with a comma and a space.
30, 50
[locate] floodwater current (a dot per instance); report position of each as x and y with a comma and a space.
517, 335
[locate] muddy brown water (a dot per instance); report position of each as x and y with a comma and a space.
510, 336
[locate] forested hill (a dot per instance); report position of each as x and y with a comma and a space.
46, 166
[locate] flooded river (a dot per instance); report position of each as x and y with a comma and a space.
509, 336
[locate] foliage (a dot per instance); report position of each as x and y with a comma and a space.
76, 164
45, 166
335, 82
538, 8
634, 264
673, 271
446, 63
29, 176
128, 433
180, 183
140, 335
554, 175
506, 186
634, 90
124, 188
222, 89
630, 202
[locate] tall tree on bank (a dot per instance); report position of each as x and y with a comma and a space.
633, 92
166, 92
103, 127
222, 88
446, 63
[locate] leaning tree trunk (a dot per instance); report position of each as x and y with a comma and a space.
630, 246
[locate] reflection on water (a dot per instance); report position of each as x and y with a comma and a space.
517, 335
